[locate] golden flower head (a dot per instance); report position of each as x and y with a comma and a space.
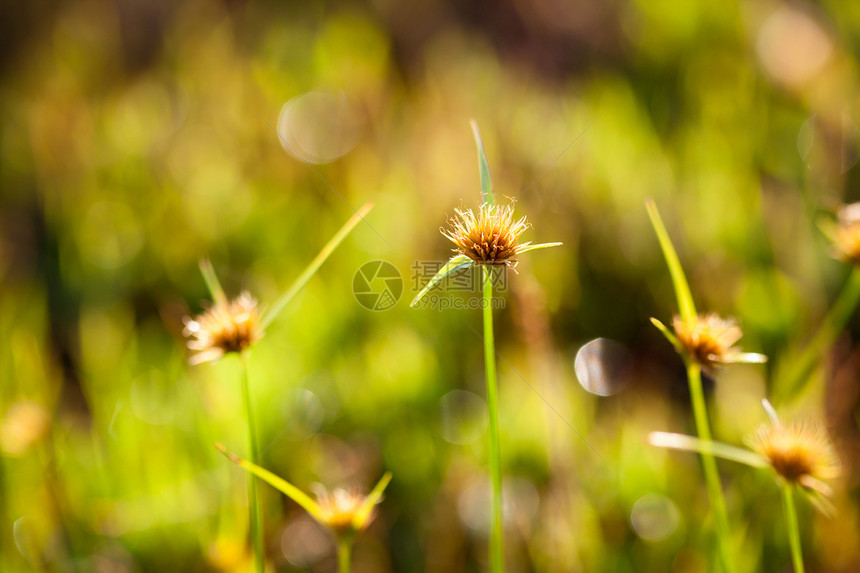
799, 452
227, 326
846, 234
710, 340
344, 511
490, 237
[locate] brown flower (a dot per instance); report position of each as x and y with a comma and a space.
490, 237
710, 340
799, 452
227, 326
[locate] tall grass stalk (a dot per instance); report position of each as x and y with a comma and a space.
497, 561
256, 518
791, 523
687, 309
344, 555
709, 465
490, 239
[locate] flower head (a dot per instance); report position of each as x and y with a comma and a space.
344, 511
710, 340
799, 452
846, 234
489, 237
227, 326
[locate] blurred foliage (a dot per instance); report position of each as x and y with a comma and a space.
139, 137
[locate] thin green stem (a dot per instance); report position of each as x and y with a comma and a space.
793, 529
344, 553
256, 517
709, 464
497, 562
314, 266
842, 309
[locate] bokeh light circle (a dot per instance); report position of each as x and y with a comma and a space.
603, 366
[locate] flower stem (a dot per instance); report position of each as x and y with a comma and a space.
344, 551
793, 529
253, 498
709, 464
497, 562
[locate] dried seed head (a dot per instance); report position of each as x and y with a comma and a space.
800, 453
228, 326
846, 235
339, 510
709, 339
490, 237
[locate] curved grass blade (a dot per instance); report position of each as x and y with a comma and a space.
527, 248
281, 484
718, 449
370, 501
212, 282
455, 264
483, 167
682, 289
312, 268
668, 334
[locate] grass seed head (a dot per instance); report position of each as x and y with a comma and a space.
339, 510
799, 452
489, 237
228, 326
709, 339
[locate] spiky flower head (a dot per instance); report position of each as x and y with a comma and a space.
846, 234
710, 340
227, 326
490, 237
344, 511
799, 452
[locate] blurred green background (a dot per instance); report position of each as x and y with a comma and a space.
139, 137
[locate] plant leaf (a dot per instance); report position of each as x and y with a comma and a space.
745, 358
718, 449
212, 282
370, 501
527, 248
455, 264
314, 266
682, 290
279, 483
668, 334
771, 413
483, 166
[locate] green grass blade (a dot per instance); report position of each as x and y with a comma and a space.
312, 268
682, 290
454, 265
212, 282
279, 483
800, 371
668, 334
528, 248
370, 501
483, 167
